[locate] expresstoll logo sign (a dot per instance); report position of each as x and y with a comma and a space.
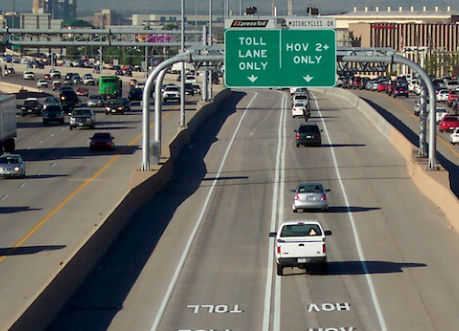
249, 23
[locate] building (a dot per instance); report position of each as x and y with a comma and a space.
162, 19
429, 38
108, 17
58, 9
39, 22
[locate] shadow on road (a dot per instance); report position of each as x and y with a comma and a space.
48, 154
356, 268
13, 210
102, 294
27, 250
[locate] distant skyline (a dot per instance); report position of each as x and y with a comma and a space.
263, 6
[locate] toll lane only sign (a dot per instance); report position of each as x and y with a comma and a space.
280, 58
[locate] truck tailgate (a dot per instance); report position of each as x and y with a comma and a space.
301, 247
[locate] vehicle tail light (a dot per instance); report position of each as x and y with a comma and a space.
278, 249
324, 197
320, 136
297, 197
324, 248
297, 136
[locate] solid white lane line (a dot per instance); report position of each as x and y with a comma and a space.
280, 219
358, 244
187, 248
273, 226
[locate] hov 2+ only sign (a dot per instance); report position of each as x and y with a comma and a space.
280, 58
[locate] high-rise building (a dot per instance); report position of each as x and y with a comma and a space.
58, 9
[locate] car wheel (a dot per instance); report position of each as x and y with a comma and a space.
93, 126
297, 145
62, 121
295, 210
280, 269
71, 127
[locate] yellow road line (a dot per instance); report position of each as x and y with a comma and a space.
68, 198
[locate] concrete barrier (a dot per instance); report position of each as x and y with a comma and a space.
435, 185
15, 88
144, 185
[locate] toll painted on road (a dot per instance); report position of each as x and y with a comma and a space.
351, 328
220, 309
329, 307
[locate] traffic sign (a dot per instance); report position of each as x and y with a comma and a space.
280, 58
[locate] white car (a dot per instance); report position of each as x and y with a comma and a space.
442, 95
42, 83
171, 93
454, 136
440, 113
299, 109
295, 90
28, 75
88, 79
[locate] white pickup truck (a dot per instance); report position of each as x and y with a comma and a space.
300, 243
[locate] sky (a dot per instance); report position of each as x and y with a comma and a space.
263, 6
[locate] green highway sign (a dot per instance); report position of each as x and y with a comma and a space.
280, 58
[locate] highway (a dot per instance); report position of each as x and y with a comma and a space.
67, 194
198, 255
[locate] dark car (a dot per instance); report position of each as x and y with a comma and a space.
117, 106
102, 141
135, 94
69, 100
68, 79
53, 113
189, 90
400, 91
31, 106
308, 134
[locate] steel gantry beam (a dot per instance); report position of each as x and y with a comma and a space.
96, 37
363, 67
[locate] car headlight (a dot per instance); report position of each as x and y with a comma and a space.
120, 108
17, 168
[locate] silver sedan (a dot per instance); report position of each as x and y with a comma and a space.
12, 165
310, 195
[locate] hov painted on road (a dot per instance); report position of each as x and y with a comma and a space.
280, 58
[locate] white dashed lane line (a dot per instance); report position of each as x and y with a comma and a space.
22, 185
4, 197
53, 164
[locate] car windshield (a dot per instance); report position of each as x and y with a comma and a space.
310, 188
114, 102
30, 103
101, 136
9, 159
308, 129
82, 112
93, 96
300, 230
301, 97
53, 109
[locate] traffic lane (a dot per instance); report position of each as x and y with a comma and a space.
88, 197
385, 202
59, 160
399, 115
220, 273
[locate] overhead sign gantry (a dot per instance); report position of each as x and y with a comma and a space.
281, 57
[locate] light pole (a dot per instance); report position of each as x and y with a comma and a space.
182, 81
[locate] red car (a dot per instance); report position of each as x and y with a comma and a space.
102, 141
382, 86
82, 92
449, 123
451, 96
